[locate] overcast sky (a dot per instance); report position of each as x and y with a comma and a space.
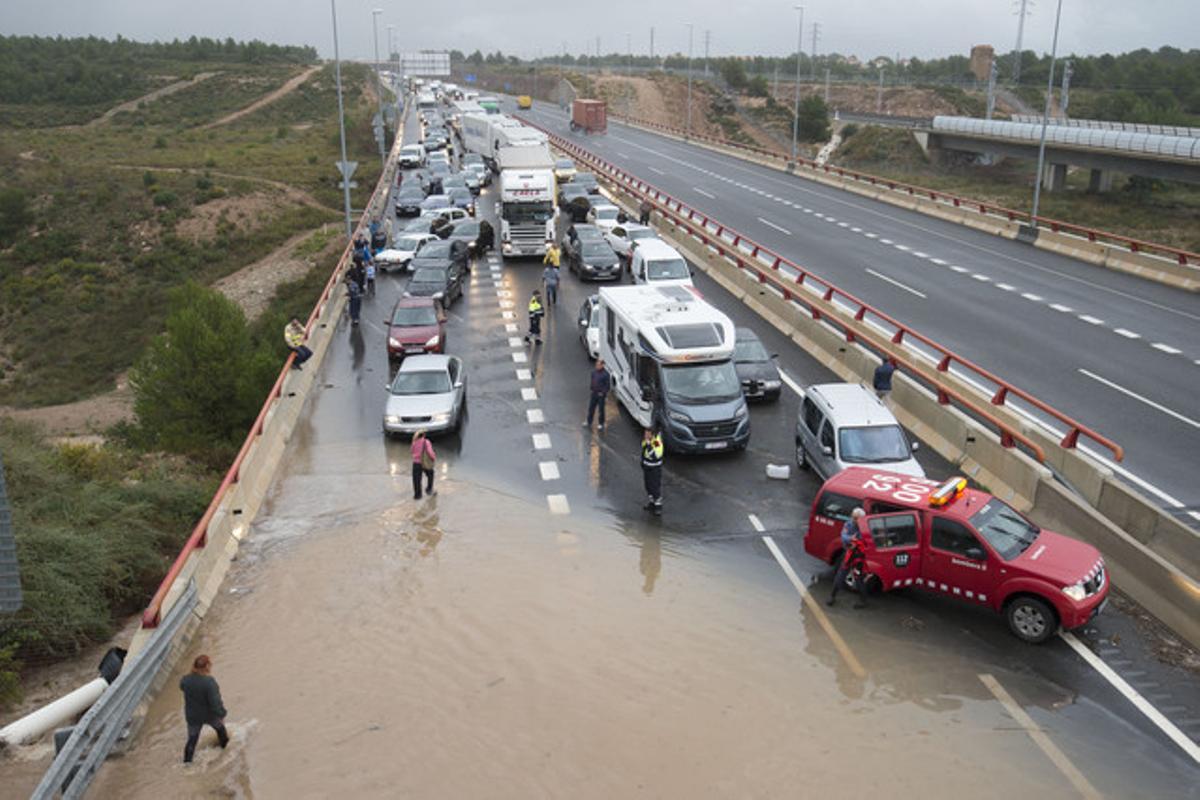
924, 28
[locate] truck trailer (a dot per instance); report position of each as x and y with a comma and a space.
589, 116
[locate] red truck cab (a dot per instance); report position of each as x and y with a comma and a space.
960, 542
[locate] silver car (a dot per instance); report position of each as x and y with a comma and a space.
428, 393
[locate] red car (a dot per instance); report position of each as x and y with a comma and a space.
962, 543
417, 325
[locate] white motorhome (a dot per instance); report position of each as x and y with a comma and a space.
527, 196
670, 355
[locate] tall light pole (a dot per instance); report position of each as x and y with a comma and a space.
689, 96
796, 110
1037, 186
375, 12
337, 72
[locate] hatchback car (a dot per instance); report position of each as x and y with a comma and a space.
404, 247
446, 248
589, 326
755, 367
604, 216
564, 170
624, 238
593, 259
408, 200
462, 198
843, 425
442, 282
417, 326
410, 156
428, 394
435, 201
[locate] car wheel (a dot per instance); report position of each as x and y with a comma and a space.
801, 458
1031, 619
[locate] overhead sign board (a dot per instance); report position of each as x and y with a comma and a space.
425, 62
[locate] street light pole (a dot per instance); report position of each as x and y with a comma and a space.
796, 109
375, 12
1037, 185
689, 95
337, 71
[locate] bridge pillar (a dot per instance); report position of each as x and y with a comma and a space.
1101, 180
1054, 177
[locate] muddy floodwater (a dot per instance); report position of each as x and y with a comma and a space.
473, 645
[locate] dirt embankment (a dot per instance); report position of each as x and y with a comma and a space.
132, 105
266, 99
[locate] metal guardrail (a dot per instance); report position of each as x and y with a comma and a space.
769, 267
1185, 258
94, 736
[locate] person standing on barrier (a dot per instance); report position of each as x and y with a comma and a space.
644, 211
202, 705
882, 380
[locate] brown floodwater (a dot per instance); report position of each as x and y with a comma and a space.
473, 645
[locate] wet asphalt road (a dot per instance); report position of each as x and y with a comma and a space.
919, 689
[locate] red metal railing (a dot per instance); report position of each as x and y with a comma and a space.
1182, 257
199, 535
768, 266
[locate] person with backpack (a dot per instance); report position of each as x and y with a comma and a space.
423, 460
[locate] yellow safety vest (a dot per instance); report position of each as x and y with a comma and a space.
534, 306
652, 452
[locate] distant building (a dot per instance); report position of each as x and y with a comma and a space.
982, 56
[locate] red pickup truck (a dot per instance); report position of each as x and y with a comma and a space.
963, 543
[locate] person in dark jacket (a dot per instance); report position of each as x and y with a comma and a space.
201, 705
652, 461
601, 385
882, 380
487, 237
854, 561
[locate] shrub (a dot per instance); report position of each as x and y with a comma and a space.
14, 214
848, 130
165, 199
160, 143
149, 179
814, 119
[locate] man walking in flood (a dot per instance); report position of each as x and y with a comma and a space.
202, 705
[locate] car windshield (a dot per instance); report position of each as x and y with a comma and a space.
438, 249
472, 158
667, 269
749, 350
429, 275
595, 323
875, 444
459, 195
409, 243
436, 201
596, 249
584, 177
635, 235
466, 229
1005, 529
415, 317
609, 212
702, 383
409, 383
565, 163
411, 193
525, 213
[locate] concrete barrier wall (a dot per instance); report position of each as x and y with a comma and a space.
1159, 581
1144, 265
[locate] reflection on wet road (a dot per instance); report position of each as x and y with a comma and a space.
478, 644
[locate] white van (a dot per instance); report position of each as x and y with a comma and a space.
843, 425
657, 263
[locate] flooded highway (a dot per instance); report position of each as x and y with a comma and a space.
519, 635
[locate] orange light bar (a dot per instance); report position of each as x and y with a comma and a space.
948, 492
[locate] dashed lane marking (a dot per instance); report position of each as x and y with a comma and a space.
524, 375
814, 607
1056, 756
528, 393
1166, 348
508, 314
770, 224
519, 358
515, 342
981, 278
541, 441
657, 170
698, 190
886, 241
1146, 400
510, 327
549, 470
902, 247
558, 504
938, 261
1090, 320
1127, 333
1034, 298
870, 235
791, 382
958, 269
1007, 287
896, 283
535, 416
1062, 308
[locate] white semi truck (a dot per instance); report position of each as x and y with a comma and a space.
527, 200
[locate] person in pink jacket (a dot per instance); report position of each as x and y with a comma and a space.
423, 459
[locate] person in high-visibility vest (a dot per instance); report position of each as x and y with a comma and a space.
294, 334
652, 461
535, 317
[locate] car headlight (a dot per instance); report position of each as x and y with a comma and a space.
392, 419
1076, 592
394, 342
741, 412
679, 416
438, 295
443, 417
433, 341
772, 384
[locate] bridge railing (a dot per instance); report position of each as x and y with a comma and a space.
800, 285
1131, 244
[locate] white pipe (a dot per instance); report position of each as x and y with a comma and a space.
62, 711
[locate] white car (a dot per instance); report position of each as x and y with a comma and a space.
624, 238
403, 248
451, 214
411, 155
604, 216
428, 393
589, 326
658, 264
436, 156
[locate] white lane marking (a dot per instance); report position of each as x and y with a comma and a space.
770, 224
515, 342
519, 358
549, 470
1142, 398
958, 269
791, 382
541, 441
1036, 298
1090, 320
886, 241
903, 247
829, 218
558, 504
981, 278
843, 224
919, 254
534, 416
1127, 334
1140, 703
1056, 756
504, 303
510, 327
757, 523
1062, 308
622, 155
897, 283
524, 375
838, 642
856, 229
1166, 348
868, 234
659, 171
508, 314
1006, 287
528, 393
698, 190
938, 261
